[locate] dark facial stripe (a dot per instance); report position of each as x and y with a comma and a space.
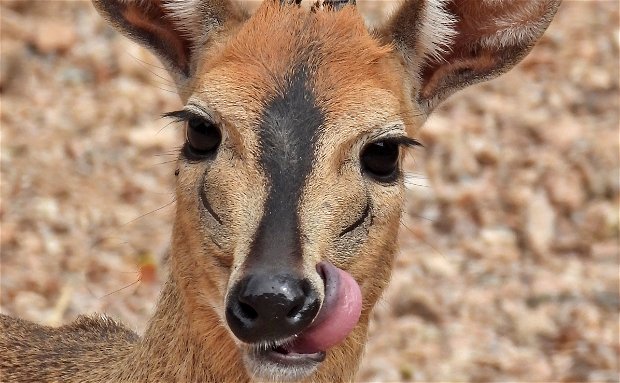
288, 133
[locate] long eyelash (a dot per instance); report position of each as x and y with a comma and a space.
179, 115
406, 141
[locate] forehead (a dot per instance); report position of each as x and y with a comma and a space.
343, 68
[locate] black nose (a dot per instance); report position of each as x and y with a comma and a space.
264, 307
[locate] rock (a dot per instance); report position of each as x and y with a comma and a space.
540, 223
565, 189
417, 304
435, 129
30, 305
440, 265
500, 243
566, 133
10, 55
601, 220
53, 37
486, 152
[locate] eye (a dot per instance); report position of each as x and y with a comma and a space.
380, 160
203, 137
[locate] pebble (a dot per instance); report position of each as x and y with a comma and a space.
566, 189
500, 244
54, 36
540, 224
30, 305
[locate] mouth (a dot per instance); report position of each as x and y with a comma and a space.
278, 362
298, 356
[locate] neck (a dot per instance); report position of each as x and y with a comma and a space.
173, 350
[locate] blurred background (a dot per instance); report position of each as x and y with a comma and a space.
509, 261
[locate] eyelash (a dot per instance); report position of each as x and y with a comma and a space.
403, 141
180, 115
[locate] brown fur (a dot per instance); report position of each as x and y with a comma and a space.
366, 84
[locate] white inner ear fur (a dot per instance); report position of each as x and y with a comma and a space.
436, 31
436, 36
438, 28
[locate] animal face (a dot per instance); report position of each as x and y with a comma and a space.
289, 185
292, 159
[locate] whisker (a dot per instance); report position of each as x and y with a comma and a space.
151, 212
121, 289
423, 240
166, 90
147, 64
165, 126
415, 175
98, 242
174, 151
412, 180
414, 184
167, 80
166, 162
421, 217
156, 66
164, 154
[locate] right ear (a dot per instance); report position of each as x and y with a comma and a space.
173, 30
446, 45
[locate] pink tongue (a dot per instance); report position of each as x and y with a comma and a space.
336, 320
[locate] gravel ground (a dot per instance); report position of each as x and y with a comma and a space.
509, 262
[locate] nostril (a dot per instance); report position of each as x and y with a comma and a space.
247, 311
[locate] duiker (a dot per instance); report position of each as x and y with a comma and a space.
289, 185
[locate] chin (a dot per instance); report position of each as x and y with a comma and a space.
274, 364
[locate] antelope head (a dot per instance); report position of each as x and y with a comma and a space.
289, 184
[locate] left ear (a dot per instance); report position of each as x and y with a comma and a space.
447, 45
175, 30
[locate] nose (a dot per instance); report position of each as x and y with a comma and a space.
263, 307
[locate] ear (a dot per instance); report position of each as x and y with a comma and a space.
447, 45
174, 30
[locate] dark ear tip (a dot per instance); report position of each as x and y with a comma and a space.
336, 5
108, 4
110, 9
330, 5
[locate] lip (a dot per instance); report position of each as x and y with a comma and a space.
265, 364
291, 359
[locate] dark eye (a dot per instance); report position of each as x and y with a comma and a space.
203, 137
380, 160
